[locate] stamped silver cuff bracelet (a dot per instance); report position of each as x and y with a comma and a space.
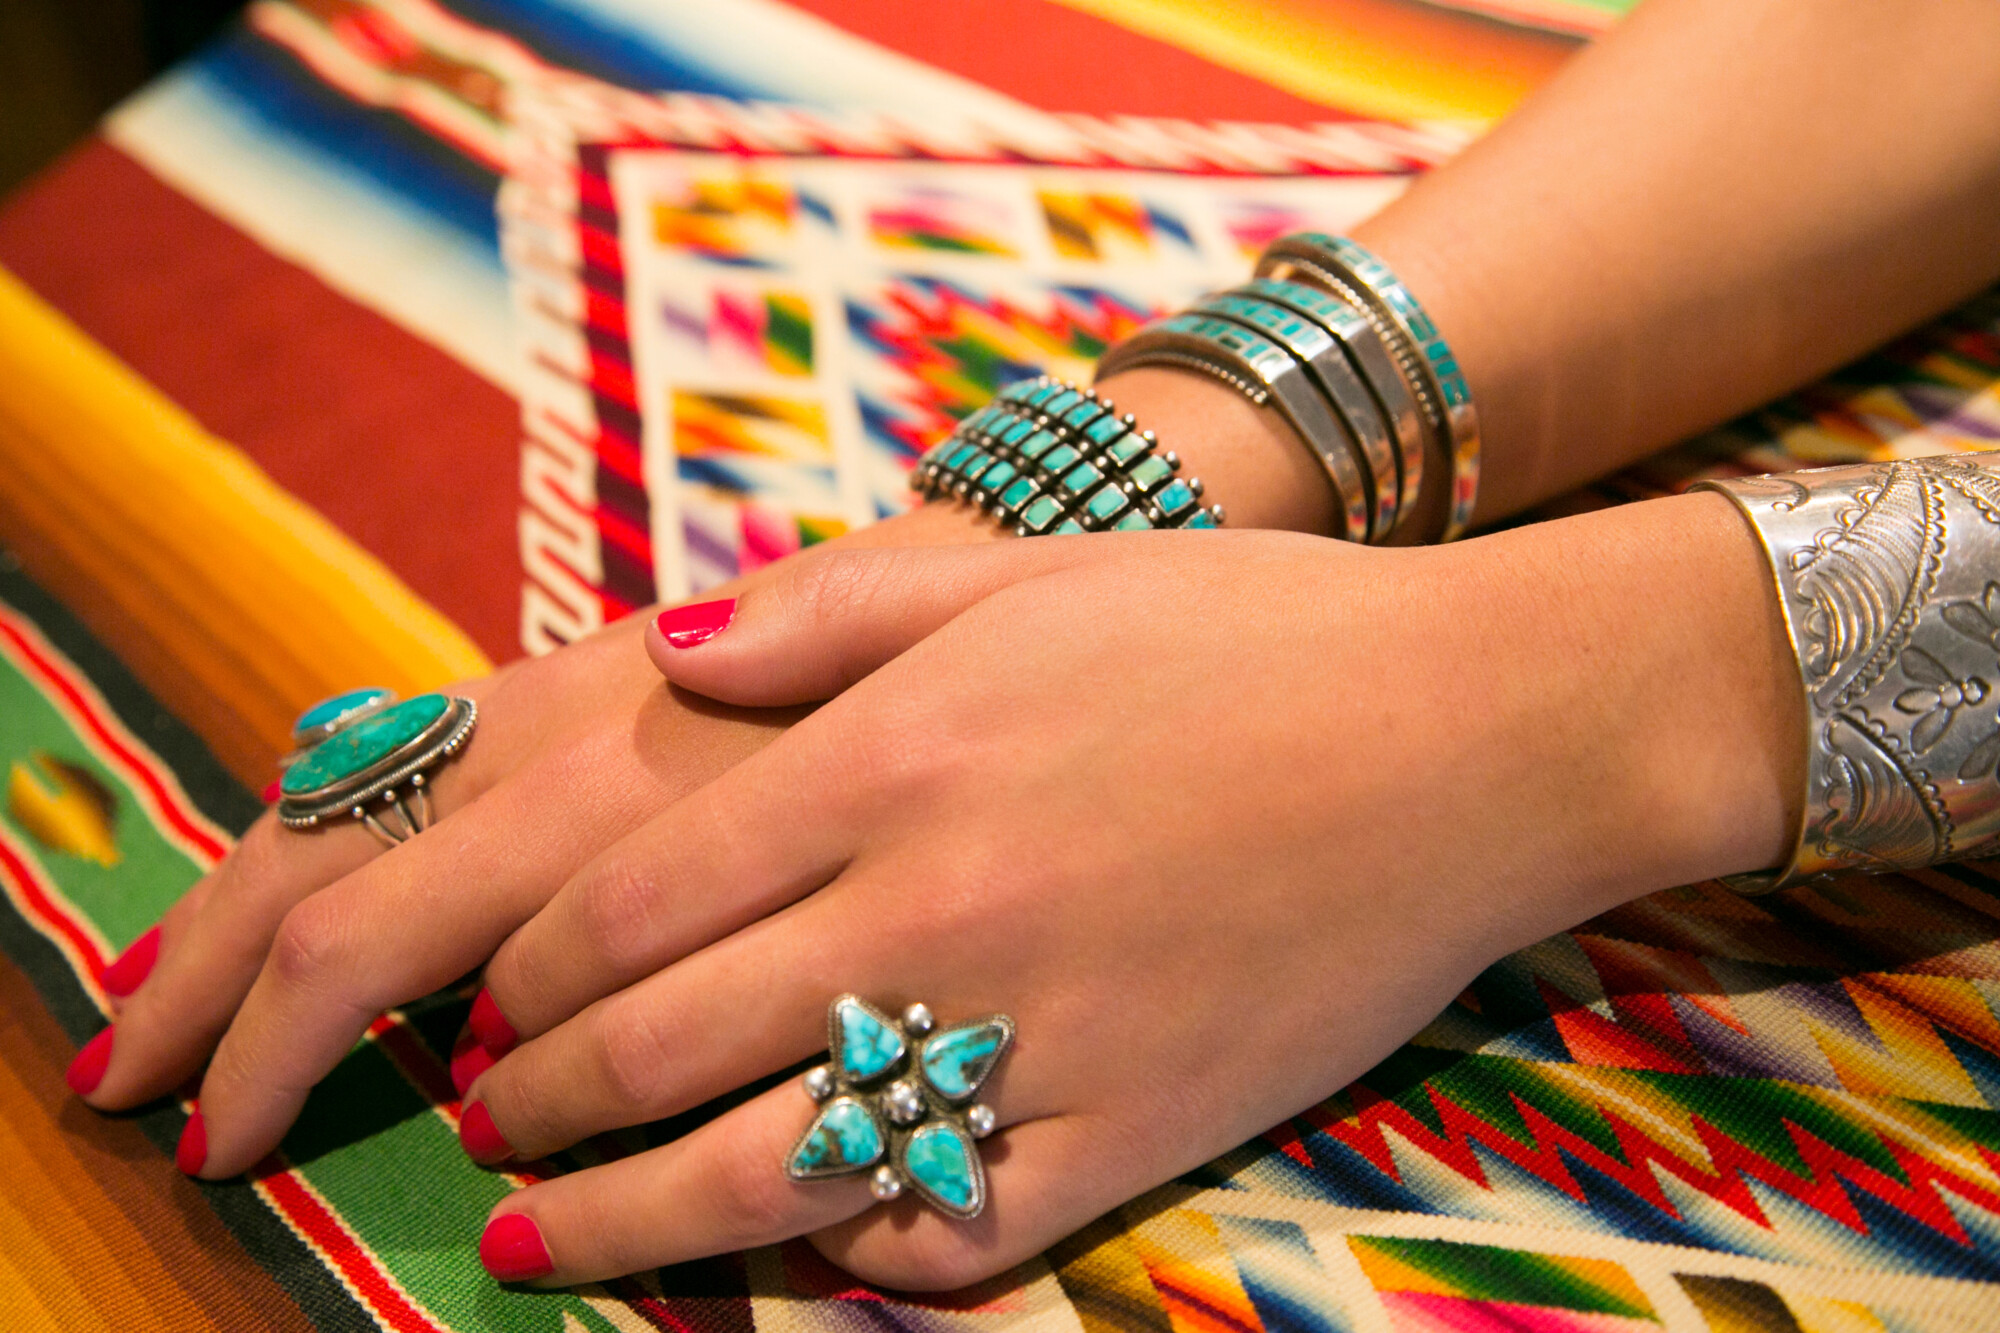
1889, 577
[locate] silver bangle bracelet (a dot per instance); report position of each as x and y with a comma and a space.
1239, 354
1889, 578
1326, 361
1428, 366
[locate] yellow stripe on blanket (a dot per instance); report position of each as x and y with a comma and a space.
234, 601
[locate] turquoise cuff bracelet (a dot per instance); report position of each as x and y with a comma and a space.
1051, 459
1425, 361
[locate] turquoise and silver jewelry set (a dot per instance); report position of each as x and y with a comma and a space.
1423, 364
1050, 458
898, 1101
366, 748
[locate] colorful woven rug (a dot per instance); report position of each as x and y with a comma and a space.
259, 339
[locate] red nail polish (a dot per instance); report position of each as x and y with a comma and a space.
87, 1070
495, 1033
271, 793
468, 1061
192, 1152
512, 1250
130, 969
480, 1137
686, 626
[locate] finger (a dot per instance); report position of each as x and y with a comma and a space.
762, 835
422, 915
823, 620
724, 1187
744, 1008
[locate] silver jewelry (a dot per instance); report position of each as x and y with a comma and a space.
896, 1101
1426, 360
1353, 406
383, 756
1246, 355
1889, 578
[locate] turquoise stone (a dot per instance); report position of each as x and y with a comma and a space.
945, 1165
844, 1138
1124, 450
998, 475
869, 1044
339, 706
1041, 393
1062, 402
1132, 522
957, 1060
1105, 429
1106, 503
1067, 528
1041, 512
1083, 412
1174, 498
1019, 431
975, 465
1022, 491
1200, 519
363, 745
1059, 458
960, 454
1038, 444
1018, 391
1150, 473
1081, 478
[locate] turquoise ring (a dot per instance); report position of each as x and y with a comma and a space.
899, 1101
369, 752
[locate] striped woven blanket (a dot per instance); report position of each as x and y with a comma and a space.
336, 358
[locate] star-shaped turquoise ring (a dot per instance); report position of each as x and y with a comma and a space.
897, 1100
363, 748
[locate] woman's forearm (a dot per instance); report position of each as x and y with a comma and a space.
1721, 200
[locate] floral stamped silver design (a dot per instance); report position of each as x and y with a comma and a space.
1889, 578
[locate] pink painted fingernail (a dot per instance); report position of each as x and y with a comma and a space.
488, 1024
271, 793
480, 1137
87, 1070
468, 1061
130, 969
192, 1151
512, 1250
686, 626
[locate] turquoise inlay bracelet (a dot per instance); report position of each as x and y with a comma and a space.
1428, 365
1050, 458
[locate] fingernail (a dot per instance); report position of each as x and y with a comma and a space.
87, 1070
130, 969
468, 1061
480, 1137
192, 1151
512, 1250
495, 1033
686, 626
271, 793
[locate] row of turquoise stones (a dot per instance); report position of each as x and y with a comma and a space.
1051, 458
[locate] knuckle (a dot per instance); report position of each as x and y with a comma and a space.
929, 1258
311, 947
756, 1200
629, 1056
616, 908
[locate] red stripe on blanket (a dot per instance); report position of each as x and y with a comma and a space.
1058, 59
369, 424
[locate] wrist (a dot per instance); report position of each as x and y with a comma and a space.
1643, 658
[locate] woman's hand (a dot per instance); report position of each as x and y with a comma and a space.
1219, 819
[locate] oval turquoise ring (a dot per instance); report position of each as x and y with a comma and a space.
897, 1100
370, 755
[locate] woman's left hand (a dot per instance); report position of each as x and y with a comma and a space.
1218, 819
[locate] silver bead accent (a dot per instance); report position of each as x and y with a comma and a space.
1217, 511
1194, 484
819, 1082
917, 1019
885, 1184
1173, 460
979, 1119
904, 1102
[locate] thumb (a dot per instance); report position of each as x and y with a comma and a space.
817, 623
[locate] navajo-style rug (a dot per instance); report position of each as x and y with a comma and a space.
287, 403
